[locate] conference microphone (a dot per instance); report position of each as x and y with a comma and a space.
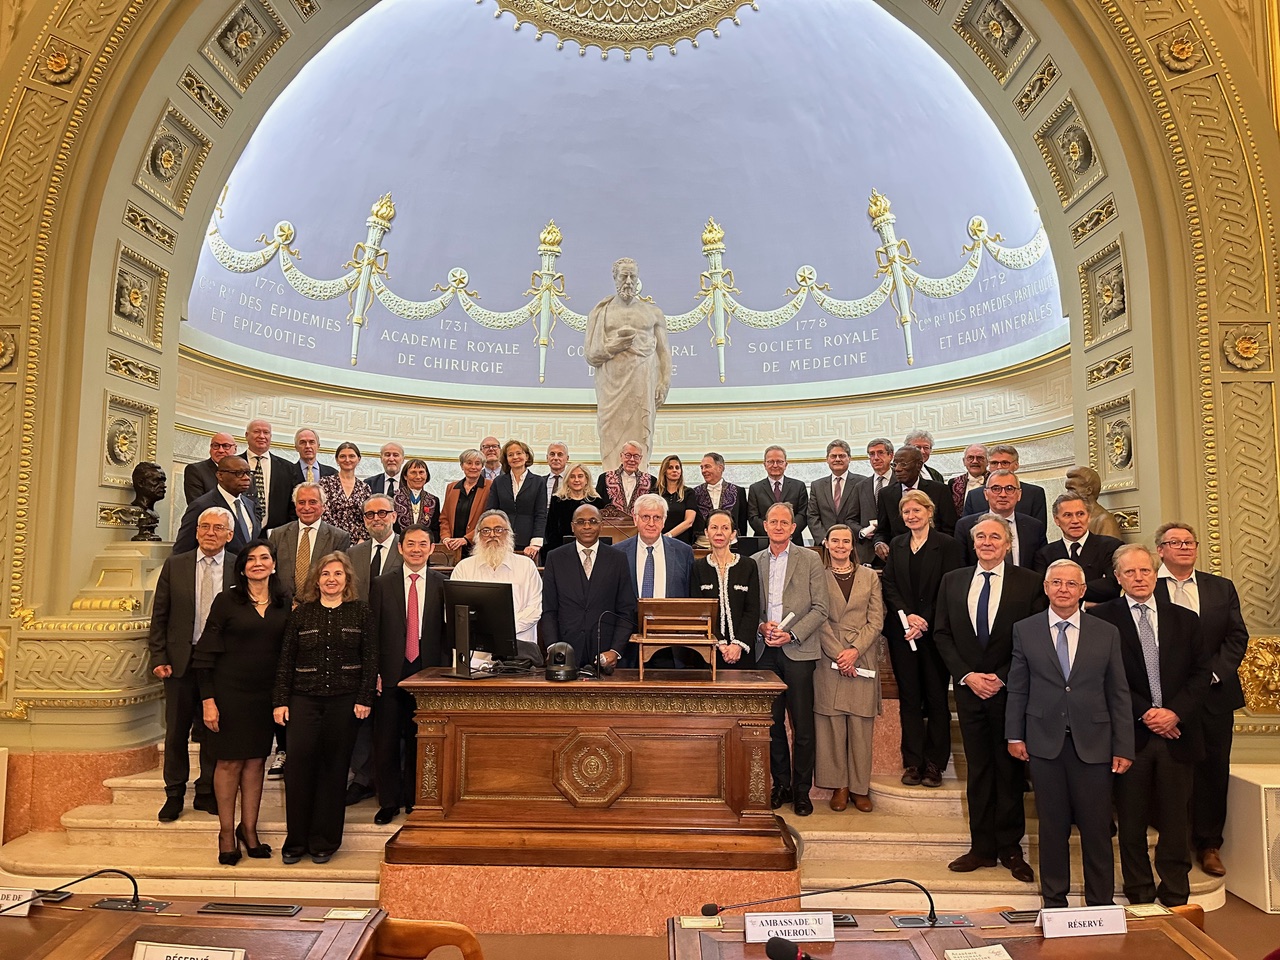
598, 660
780, 948
715, 909
109, 903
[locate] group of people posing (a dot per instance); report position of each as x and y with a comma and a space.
956, 577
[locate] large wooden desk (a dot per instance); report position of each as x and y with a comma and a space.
52, 933
611, 772
1161, 938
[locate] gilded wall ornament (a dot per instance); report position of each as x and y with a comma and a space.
1104, 370
59, 64
150, 227
1119, 444
165, 158
1036, 87
132, 293
1180, 50
122, 441
1260, 675
1077, 151
1099, 216
241, 36
1000, 27
1110, 290
1246, 348
8, 349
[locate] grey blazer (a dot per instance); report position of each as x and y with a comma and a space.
362, 555
1094, 701
822, 507
804, 593
285, 539
173, 614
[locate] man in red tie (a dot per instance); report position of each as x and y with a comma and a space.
833, 499
776, 487
408, 619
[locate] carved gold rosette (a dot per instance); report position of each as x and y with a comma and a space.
626, 25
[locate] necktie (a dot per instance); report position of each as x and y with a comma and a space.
983, 626
311, 477
206, 597
411, 631
1075, 551
1180, 595
586, 563
1013, 542
777, 491
391, 486
302, 561
879, 487
1150, 653
1064, 652
555, 484
243, 520
375, 565
260, 490
646, 587
836, 491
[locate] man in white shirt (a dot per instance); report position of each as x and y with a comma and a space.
301, 543
880, 453
270, 477
388, 481
379, 554
233, 482
717, 493
308, 469
495, 561
1003, 490
835, 498
557, 460
1093, 551
492, 451
922, 440
660, 566
973, 478
621, 487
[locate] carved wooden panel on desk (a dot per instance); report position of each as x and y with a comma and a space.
670, 772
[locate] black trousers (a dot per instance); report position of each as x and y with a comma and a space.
923, 709
395, 748
788, 769
1209, 790
183, 719
322, 733
995, 779
1068, 791
1156, 790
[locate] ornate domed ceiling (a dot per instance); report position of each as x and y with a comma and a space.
435, 202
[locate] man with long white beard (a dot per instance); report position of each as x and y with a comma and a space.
495, 561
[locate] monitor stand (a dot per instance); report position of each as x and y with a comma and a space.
462, 647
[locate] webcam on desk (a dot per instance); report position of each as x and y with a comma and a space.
562, 662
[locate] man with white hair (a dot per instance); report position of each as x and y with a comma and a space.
922, 440
270, 476
388, 481
557, 461
621, 487
495, 560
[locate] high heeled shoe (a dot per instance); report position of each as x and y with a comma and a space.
261, 852
229, 858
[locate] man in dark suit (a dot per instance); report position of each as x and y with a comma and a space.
388, 481
188, 583
1078, 735
1092, 551
660, 567
1004, 456
880, 458
233, 481
1002, 492
588, 594
309, 470
922, 440
199, 478
907, 464
793, 584
834, 498
379, 554
717, 493
271, 477
301, 543
973, 630
1225, 638
777, 488
408, 620
1168, 672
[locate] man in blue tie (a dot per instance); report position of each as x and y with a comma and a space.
973, 630
660, 566
234, 477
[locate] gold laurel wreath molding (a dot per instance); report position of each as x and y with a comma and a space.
626, 25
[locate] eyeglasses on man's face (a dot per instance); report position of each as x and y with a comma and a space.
377, 514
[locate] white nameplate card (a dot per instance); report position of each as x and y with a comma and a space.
11, 895
1082, 921
809, 925
147, 950
993, 951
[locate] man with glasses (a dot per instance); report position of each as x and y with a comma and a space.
776, 487
1003, 491
230, 493
270, 477
1225, 638
660, 567
1033, 502
907, 466
588, 594
836, 498
199, 478
495, 560
621, 487
973, 478
492, 451
379, 554
1078, 736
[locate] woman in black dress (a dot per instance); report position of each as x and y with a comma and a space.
576, 491
235, 663
912, 572
683, 521
324, 686
719, 573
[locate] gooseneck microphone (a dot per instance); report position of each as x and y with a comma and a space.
597, 662
715, 909
111, 903
780, 948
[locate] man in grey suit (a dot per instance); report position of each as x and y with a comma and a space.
1079, 735
188, 583
794, 585
301, 543
378, 554
834, 498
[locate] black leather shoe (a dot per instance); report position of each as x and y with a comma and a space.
802, 806
385, 815
779, 796
206, 802
967, 863
171, 810
911, 777
932, 776
322, 857
357, 792
261, 852
1020, 869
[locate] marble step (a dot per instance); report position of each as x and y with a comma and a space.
147, 788
890, 795
129, 825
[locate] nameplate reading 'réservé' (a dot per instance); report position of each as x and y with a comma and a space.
1082, 921
147, 950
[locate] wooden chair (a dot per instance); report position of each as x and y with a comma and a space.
395, 939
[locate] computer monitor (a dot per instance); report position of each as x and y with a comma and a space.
490, 616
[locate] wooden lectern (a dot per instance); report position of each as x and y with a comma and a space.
677, 622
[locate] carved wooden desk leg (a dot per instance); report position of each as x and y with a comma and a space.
432, 732
754, 738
